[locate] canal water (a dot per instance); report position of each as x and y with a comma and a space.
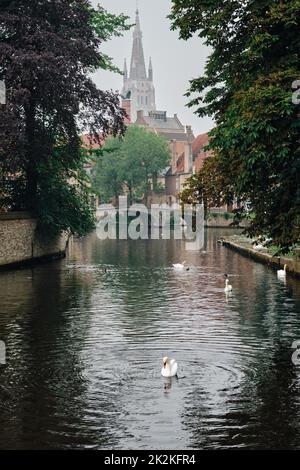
85, 346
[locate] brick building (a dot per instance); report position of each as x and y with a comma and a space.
199, 151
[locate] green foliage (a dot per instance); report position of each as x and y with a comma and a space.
225, 215
63, 200
106, 26
131, 164
51, 101
107, 178
247, 89
208, 186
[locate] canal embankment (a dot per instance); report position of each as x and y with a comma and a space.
244, 246
21, 245
219, 219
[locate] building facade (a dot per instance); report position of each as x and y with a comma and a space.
200, 153
180, 140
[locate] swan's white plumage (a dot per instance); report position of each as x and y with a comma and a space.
259, 247
170, 367
228, 287
179, 266
281, 274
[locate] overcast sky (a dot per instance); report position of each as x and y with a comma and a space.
175, 62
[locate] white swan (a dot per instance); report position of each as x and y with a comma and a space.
228, 287
179, 265
281, 274
259, 247
169, 367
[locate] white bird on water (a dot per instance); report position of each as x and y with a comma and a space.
179, 266
169, 367
281, 274
228, 287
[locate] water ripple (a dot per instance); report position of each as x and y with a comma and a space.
84, 349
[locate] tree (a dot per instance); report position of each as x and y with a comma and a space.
108, 181
132, 163
207, 186
106, 26
247, 88
48, 51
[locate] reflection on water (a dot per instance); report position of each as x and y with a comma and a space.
84, 350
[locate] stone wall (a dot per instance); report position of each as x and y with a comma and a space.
277, 262
19, 243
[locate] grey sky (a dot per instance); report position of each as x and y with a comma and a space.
175, 62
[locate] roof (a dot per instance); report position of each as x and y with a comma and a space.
91, 142
160, 120
174, 136
200, 142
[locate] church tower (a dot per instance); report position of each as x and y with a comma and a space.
138, 85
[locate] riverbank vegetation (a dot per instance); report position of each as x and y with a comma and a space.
131, 165
48, 51
247, 89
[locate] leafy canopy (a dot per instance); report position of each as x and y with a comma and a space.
48, 51
132, 164
247, 89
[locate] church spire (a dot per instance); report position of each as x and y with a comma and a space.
138, 67
125, 71
150, 71
138, 89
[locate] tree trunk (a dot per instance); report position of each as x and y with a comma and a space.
130, 196
154, 181
146, 194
